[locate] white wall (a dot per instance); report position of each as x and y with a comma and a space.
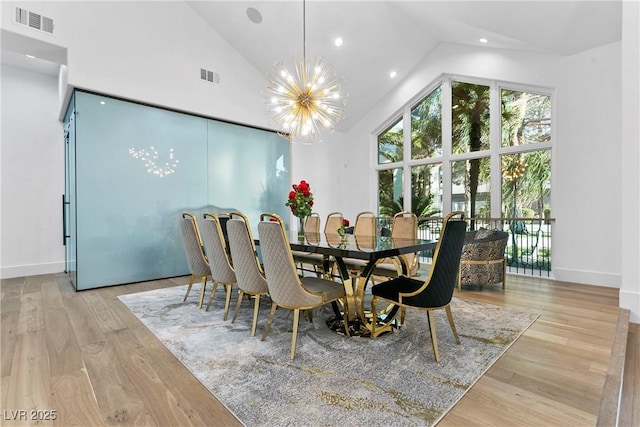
32, 174
150, 51
587, 164
630, 160
322, 166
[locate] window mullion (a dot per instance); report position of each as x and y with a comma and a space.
446, 145
406, 168
495, 132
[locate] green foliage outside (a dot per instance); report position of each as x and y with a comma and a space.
525, 119
526, 175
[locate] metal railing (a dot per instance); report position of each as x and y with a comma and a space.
528, 249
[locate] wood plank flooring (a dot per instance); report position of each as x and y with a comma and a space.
630, 400
84, 359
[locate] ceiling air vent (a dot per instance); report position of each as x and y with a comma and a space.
209, 76
34, 20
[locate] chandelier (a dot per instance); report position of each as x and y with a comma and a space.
303, 102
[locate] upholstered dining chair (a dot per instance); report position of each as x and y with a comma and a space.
404, 226
365, 224
364, 232
194, 250
436, 291
312, 223
333, 222
221, 268
331, 225
249, 273
286, 288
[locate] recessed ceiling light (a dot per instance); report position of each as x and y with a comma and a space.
102, 102
483, 40
254, 15
30, 56
338, 41
393, 74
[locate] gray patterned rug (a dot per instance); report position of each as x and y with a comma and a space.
334, 380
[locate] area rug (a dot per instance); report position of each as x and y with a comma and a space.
334, 380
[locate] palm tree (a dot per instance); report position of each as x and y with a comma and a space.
470, 104
426, 127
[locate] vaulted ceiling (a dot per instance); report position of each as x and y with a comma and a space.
396, 35
384, 36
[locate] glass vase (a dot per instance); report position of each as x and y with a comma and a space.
300, 228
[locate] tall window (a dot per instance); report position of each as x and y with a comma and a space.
470, 115
489, 155
526, 175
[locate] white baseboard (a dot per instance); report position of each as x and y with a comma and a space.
631, 300
31, 269
596, 278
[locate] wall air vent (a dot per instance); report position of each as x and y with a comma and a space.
47, 24
34, 20
210, 76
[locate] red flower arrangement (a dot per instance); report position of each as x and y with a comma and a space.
300, 199
345, 224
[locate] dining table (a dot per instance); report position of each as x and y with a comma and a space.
366, 252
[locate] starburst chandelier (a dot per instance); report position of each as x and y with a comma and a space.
303, 102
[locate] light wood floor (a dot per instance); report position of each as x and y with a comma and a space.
85, 357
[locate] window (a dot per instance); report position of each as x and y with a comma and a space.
390, 191
471, 188
526, 184
426, 189
526, 118
469, 117
489, 155
426, 127
526, 176
390, 144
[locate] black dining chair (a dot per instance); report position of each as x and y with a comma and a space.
436, 291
